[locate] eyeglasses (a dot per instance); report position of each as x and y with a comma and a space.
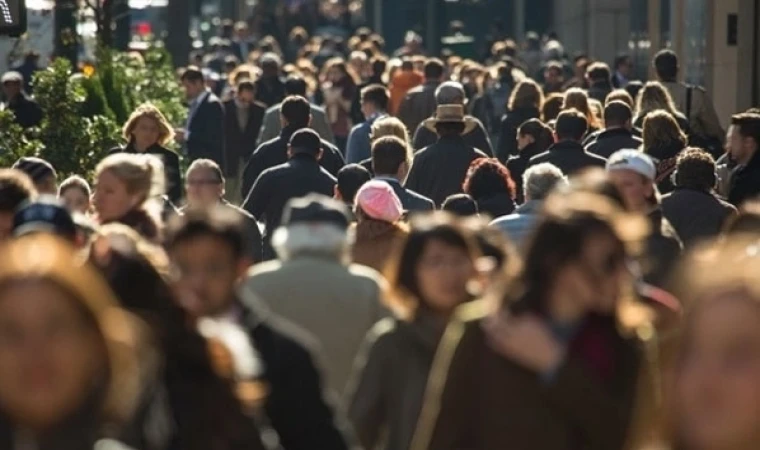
207, 182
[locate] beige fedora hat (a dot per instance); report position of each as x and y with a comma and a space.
451, 114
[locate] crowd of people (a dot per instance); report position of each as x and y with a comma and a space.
356, 250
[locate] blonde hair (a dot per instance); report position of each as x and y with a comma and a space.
620, 95
391, 126
527, 93
148, 110
654, 96
578, 99
661, 129
143, 175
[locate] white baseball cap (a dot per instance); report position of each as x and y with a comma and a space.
633, 160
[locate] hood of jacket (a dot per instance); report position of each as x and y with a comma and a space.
370, 229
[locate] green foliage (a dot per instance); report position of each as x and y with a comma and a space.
116, 84
14, 141
95, 103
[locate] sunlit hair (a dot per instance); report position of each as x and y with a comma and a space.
321, 239
389, 126
620, 95
654, 96
552, 107
527, 94
149, 111
404, 296
142, 175
75, 182
576, 98
341, 66
45, 258
661, 130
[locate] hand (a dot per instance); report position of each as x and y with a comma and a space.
526, 340
179, 135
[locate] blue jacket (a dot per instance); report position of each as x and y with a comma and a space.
519, 225
359, 146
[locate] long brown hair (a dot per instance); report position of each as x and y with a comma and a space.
578, 99
527, 94
661, 130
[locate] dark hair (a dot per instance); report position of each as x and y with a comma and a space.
460, 205
666, 65
376, 94
388, 153
542, 134
449, 128
295, 85
571, 124
206, 164
246, 85
350, 179
621, 59
555, 66
220, 223
748, 125
633, 88
193, 75
15, 188
38, 169
552, 107
434, 69
599, 71
617, 113
401, 271
695, 169
487, 177
297, 111
379, 65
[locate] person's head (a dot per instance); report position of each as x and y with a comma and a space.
75, 194
41, 173
620, 95
350, 179
633, 173
204, 183
434, 69
295, 112
744, 137
552, 107
461, 205
376, 200
666, 65
13, 84
270, 65
487, 177
618, 115
576, 98
695, 169
374, 99
431, 270
450, 93
124, 183
336, 70
66, 348
575, 261
527, 94
16, 188
599, 73
654, 96
580, 64
390, 157
624, 65
389, 126
450, 121
540, 180
295, 85
553, 73
46, 214
193, 81
314, 225
571, 125
245, 93
147, 126
536, 133
661, 130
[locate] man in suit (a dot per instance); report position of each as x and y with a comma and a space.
568, 153
271, 127
243, 43
390, 162
374, 100
243, 117
270, 87
203, 135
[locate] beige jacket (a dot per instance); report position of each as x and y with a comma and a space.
702, 118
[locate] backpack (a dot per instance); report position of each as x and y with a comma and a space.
711, 144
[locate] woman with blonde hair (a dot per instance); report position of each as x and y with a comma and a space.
148, 132
128, 190
654, 96
663, 141
578, 99
525, 103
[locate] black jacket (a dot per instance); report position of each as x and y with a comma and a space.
745, 184
295, 406
241, 143
695, 215
665, 159
270, 91
27, 111
599, 91
610, 141
591, 137
569, 157
440, 169
496, 205
275, 152
510, 122
172, 170
300, 176
663, 250
207, 139
411, 201
517, 165
477, 138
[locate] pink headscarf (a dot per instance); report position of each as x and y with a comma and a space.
378, 200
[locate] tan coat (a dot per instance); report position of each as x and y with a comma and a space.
376, 242
703, 119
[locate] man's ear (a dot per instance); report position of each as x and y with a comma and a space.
320, 154
336, 193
